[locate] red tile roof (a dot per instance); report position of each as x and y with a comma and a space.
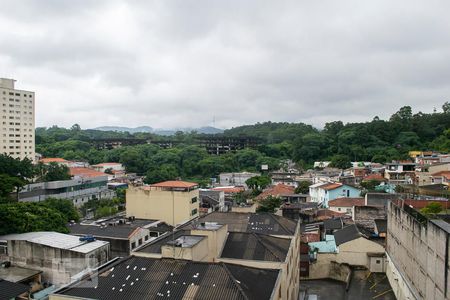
325, 214
378, 177
310, 237
175, 184
276, 191
53, 159
346, 202
85, 172
445, 174
231, 189
331, 186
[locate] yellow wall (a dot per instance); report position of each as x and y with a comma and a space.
198, 252
157, 204
355, 252
216, 240
244, 209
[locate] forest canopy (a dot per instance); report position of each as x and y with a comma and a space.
376, 140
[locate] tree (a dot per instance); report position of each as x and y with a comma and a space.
64, 206
23, 217
446, 107
379, 158
269, 204
432, 209
370, 185
340, 161
258, 183
75, 127
303, 187
8, 184
54, 172
165, 172
16, 173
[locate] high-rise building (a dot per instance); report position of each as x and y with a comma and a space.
17, 121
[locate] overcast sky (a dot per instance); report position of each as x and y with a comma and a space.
170, 64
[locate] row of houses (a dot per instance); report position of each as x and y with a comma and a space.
161, 246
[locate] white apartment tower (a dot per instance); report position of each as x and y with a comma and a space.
16, 121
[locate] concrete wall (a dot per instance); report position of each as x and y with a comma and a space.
365, 215
157, 204
438, 168
216, 240
245, 209
326, 267
198, 252
419, 251
58, 265
355, 252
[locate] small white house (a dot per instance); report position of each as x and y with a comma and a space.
325, 191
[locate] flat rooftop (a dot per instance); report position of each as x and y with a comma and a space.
155, 246
116, 227
208, 226
265, 223
56, 240
17, 274
185, 241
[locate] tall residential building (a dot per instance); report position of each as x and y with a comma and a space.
17, 121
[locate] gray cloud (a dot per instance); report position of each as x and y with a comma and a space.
179, 63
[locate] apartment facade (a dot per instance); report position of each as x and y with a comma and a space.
17, 121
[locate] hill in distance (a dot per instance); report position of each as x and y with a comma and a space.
160, 131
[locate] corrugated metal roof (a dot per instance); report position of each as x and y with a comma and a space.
10, 290
265, 223
148, 278
56, 240
346, 234
253, 246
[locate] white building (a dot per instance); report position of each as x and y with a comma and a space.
103, 167
17, 121
236, 179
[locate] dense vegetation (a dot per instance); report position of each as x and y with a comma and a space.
377, 141
48, 215
15, 173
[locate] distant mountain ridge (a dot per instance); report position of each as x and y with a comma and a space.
160, 131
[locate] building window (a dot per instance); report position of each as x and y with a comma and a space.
140, 242
146, 237
133, 245
193, 200
194, 212
378, 261
154, 234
